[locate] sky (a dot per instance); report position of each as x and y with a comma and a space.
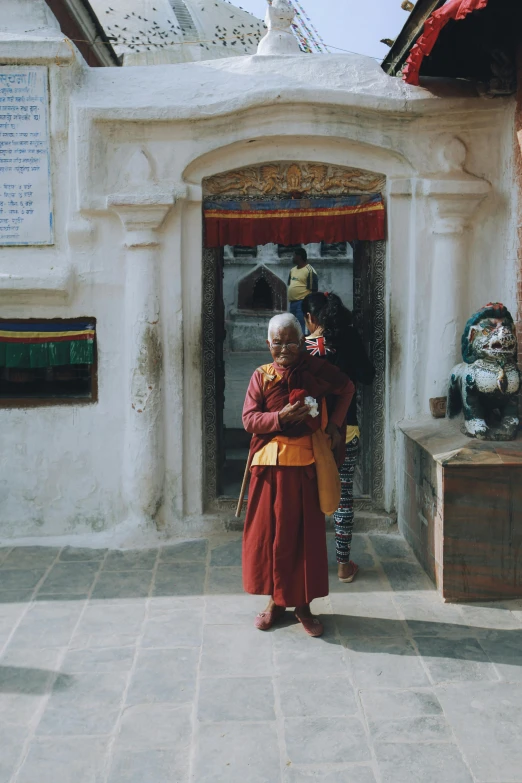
353, 25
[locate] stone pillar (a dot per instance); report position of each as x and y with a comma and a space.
454, 198
452, 209
143, 449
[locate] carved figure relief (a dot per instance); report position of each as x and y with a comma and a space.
293, 179
486, 385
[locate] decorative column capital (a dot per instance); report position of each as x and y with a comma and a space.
454, 201
454, 193
142, 214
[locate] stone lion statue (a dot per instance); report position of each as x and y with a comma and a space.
486, 384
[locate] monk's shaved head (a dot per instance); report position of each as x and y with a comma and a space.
284, 321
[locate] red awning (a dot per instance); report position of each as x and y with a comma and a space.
294, 221
453, 9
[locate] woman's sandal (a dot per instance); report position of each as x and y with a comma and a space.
312, 625
265, 620
349, 579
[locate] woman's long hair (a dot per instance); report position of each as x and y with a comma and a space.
331, 314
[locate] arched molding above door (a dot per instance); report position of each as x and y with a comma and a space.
338, 152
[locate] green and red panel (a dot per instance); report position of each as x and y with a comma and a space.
46, 343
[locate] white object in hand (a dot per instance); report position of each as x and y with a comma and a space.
314, 407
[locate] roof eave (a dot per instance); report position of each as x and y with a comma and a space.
82, 13
398, 54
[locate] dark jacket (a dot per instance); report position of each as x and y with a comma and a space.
351, 358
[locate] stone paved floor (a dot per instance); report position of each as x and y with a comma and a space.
144, 667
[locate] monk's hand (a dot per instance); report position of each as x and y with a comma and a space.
333, 431
293, 414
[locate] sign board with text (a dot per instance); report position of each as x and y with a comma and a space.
26, 216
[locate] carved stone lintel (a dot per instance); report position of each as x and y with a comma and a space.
283, 179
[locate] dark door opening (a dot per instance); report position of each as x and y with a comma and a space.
253, 289
235, 345
262, 297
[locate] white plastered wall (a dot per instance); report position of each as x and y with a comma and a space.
62, 466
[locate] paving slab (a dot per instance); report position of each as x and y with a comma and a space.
20, 579
71, 578
235, 650
81, 760
142, 559
47, 624
385, 663
172, 627
487, 722
341, 774
115, 585
237, 752
236, 699
294, 655
73, 554
428, 728
185, 552
13, 740
415, 762
164, 676
157, 766
106, 624
180, 579
504, 648
144, 666
27, 557
27, 677
224, 581
88, 705
460, 660
325, 740
317, 697
227, 554
146, 727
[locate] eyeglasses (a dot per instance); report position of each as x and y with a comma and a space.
279, 346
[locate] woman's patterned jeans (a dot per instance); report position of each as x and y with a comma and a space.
343, 517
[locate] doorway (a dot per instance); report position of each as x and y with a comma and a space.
243, 287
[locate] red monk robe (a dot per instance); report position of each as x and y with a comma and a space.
284, 543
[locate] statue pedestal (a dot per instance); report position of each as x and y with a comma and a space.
460, 509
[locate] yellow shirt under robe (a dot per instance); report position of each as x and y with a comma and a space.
287, 452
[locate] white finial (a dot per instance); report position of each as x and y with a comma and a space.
280, 38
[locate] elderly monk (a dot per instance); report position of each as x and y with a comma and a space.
284, 543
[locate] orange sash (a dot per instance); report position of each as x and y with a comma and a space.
328, 480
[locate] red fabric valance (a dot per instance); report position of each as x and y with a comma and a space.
453, 9
294, 221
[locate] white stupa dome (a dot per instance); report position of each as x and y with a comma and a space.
153, 32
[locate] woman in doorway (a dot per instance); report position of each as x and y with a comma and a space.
334, 337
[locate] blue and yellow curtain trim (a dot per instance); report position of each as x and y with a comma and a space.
46, 344
294, 221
